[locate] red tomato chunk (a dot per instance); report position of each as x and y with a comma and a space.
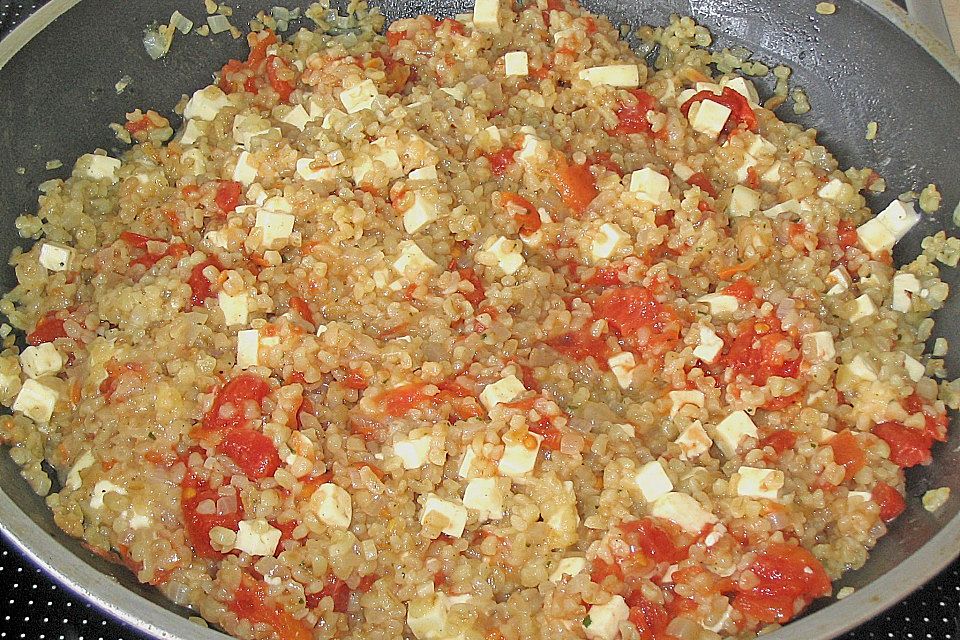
246, 387
908, 447
194, 491
252, 451
787, 574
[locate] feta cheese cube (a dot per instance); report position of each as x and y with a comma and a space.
484, 496
710, 345
743, 201
865, 496
311, 169
653, 481
101, 489
614, 75
206, 103
245, 172
683, 172
74, 480
194, 159
531, 149
493, 133
191, 132
297, 117
832, 190
694, 441
36, 401
760, 146
863, 368
246, 127
425, 173
733, 430
772, 175
486, 16
720, 303
359, 97
915, 369
41, 360
743, 171
235, 308
875, 236
899, 217
568, 567
759, 483
650, 185
413, 453
96, 167
275, 227
257, 537
838, 280
56, 257
422, 212
332, 505
682, 397
515, 63
744, 87
903, 285
508, 254
863, 308
605, 619
820, 345
502, 391
412, 259
519, 453
609, 239
710, 118
467, 463
790, 206
685, 96
622, 365
682, 510
449, 516
334, 119
248, 348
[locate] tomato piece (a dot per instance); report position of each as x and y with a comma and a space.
552, 436
277, 67
742, 290
339, 591
575, 183
250, 602
606, 276
247, 387
740, 111
630, 310
756, 351
136, 126
138, 241
399, 400
200, 286
848, 453
653, 539
908, 447
781, 441
701, 180
501, 160
936, 422
846, 234
786, 573
253, 452
601, 570
394, 37
580, 345
355, 380
300, 305
890, 500
478, 294
650, 619
193, 491
48, 329
604, 159
527, 217
633, 118
228, 195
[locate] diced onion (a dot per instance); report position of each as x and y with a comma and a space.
218, 23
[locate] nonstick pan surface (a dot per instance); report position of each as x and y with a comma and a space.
861, 64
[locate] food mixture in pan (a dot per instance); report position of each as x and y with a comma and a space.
481, 329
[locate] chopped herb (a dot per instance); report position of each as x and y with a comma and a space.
587, 621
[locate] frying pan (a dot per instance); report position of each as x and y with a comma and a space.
867, 62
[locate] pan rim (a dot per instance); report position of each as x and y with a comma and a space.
106, 594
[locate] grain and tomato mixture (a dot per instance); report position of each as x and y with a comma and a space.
477, 329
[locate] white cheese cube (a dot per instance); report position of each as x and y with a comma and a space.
685, 96
275, 226
206, 103
863, 308
458, 92
101, 489
494, 134
865, 496
682, 397
568, 567
195, 160
422, 212
36, 401
96, 167
650, 185
41, 360
246, 127
519, 454
614, 75
334, 119
191, 132
838, 280
712, 87
710, 118
502, 391
427, 616
694, 441
298, 117
744, 87
710, 345
530, 149
820, 344
682, 510
861, 367
605, 619
245, 172
720, 303
278, 203
508, 254
915, 369
733, 430
412, 259
315, 170
235, 308
257, 194
609, 239
449, 516
743, 171
486, 16
832, 190
743, 201
899, 217
759, 483
515, 63
772, 175
484, 496
425, 173
413, 453
257, 537
248, 348
653, 481
760, 146
466, 465
790, 206
332, 505
903, 285
623, 365
683, 172
875, 236
56, 257
359, 97
74, 480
